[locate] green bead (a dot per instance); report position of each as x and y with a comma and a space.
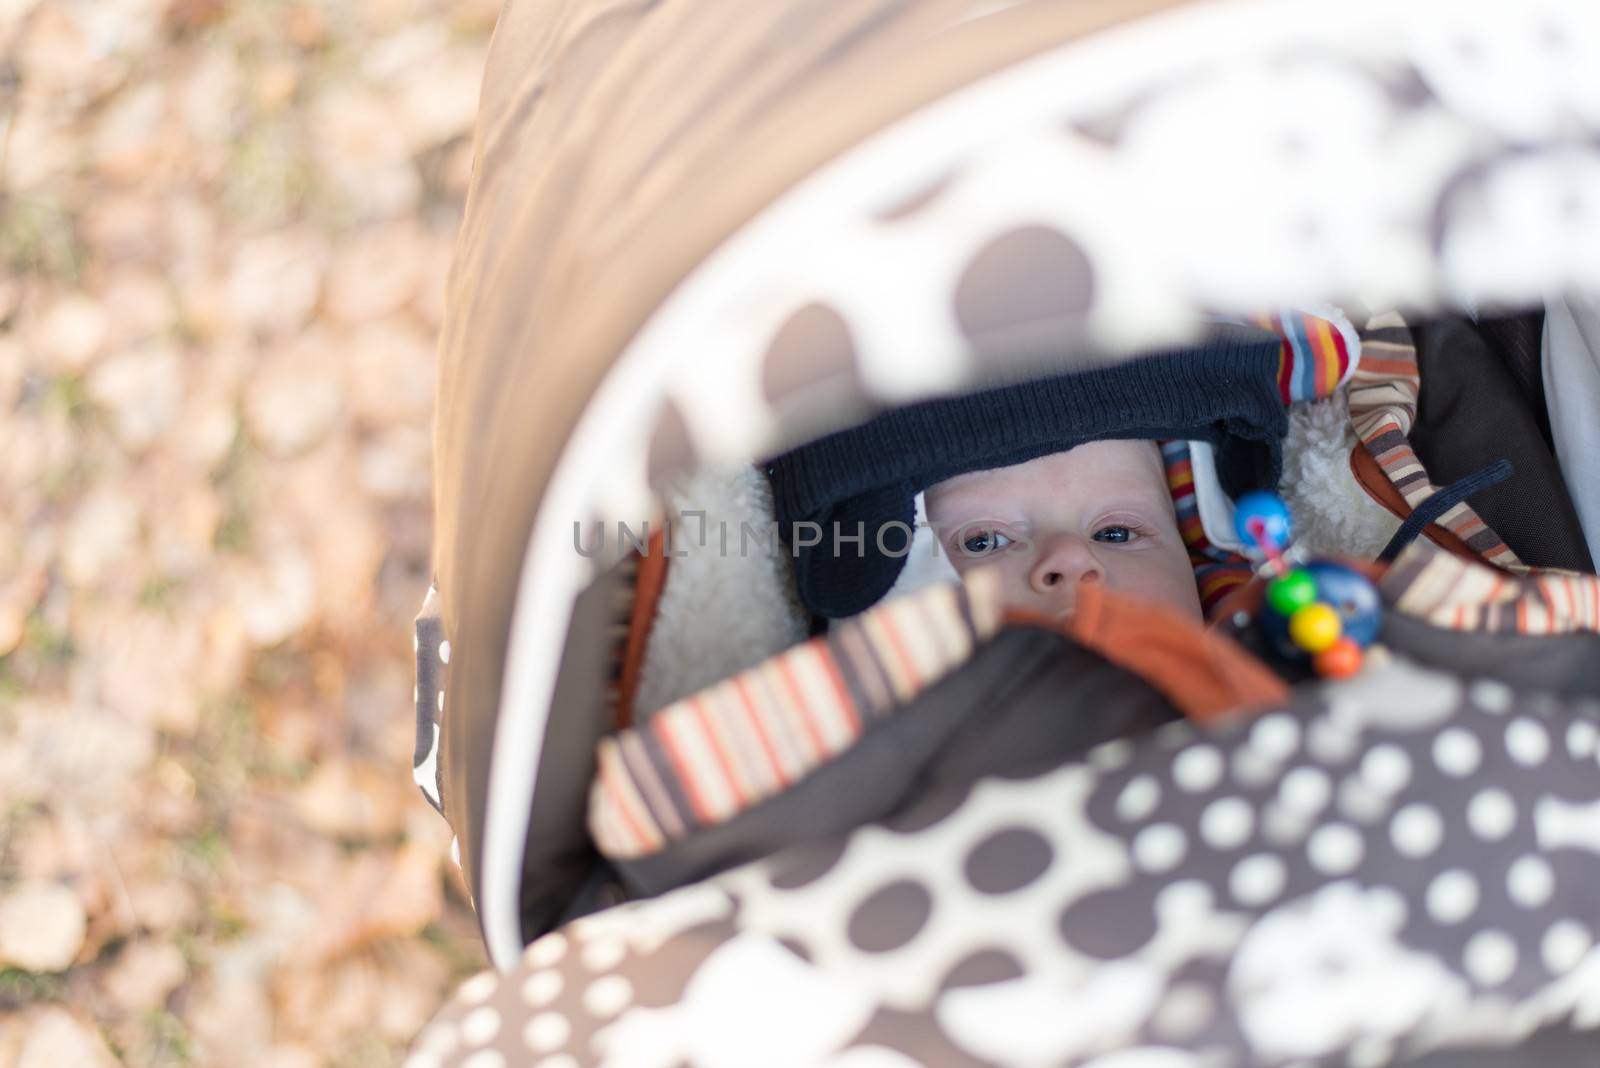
1289, 593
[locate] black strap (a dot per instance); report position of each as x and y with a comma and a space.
1441, 502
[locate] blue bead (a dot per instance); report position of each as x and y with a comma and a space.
1268, 509
1351, 595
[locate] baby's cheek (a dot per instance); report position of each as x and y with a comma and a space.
1163, 576
1007, 572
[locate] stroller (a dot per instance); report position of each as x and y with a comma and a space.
700, 234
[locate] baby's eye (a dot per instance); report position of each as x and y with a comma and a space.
1114, 535
984, 542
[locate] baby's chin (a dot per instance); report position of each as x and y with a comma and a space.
1184, 602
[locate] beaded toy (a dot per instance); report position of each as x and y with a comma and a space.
1321, 611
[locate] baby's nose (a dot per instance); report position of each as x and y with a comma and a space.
1064, 563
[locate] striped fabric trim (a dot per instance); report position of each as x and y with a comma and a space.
706, 758
1318, 355
1383, 407
1450, 591
1217, 572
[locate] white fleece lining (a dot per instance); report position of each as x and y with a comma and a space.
1215, 506
1331, 513
729, 602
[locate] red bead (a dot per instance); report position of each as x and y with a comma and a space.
1339, 661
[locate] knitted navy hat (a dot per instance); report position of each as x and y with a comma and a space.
864, 481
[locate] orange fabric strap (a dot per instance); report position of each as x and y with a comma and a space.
1205, 674
648, 584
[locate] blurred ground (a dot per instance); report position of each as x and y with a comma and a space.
224, 229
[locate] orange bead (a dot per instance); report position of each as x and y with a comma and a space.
1315, 627
1340, 660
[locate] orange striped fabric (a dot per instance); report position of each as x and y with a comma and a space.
1217, 572
1450, 591
708, 757
1383, 407
1317, 356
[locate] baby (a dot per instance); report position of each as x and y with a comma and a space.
1054, 481
1100, 512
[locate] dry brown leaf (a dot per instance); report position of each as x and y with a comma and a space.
103, 531
431, 295
161, 901
230, 1016
397, 466
227, 648
133, 138
210, 424
275, 280
274, 85
377, 898
19, 593
43, 151
415, 978
296, 396
52, 1037
363, 152
54, 849
376, 272
13, 368
59, 60
306, 26
324, 1005
123, 225
191, 228
139, 304
276, 597
208, 98
141, 390
440, 95
74, 754
42, 927
187, 16
144, 975
71, 331
348, 800
182, 534
341, 530
148, 669
294, 1056
390, 375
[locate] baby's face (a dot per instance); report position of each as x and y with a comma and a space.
1098, 513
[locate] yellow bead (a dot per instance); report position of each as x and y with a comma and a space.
1315, 627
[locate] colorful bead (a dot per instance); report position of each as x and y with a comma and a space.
1261, 520
1340, 660
1315, 627
1352, 595
1289, 593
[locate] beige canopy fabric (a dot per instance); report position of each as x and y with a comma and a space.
618, 142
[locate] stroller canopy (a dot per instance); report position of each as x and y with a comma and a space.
701, 232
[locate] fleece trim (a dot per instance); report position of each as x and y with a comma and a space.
727, 603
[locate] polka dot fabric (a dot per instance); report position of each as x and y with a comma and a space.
1392, 864
432, 659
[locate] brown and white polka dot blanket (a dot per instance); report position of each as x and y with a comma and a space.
1398, 864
